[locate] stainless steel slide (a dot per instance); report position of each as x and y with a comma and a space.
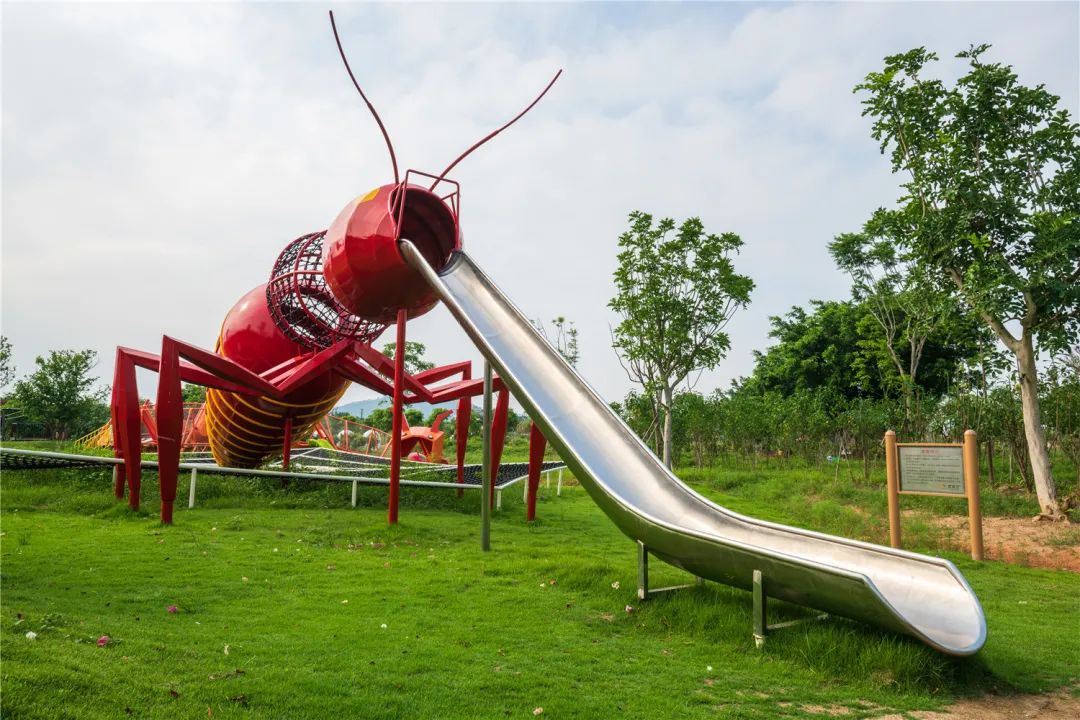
915, 594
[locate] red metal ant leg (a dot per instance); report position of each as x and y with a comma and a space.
170, 424
395, 432
127, 428
498, 437
537, 445
286, 449
464, 416
115, 419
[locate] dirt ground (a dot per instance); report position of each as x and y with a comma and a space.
1023, 541
1051, 706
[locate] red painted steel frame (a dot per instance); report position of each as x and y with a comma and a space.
498, 436
395, 432
537, 445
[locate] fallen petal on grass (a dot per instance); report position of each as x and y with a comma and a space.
31, 635
538, 711
629, 609
103, 641
615, 585
173, 609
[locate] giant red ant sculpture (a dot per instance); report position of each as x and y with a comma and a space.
288, 349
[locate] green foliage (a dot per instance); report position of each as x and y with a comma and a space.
58, 399
563, 337
991, 210
7, 370
824, 350
1062, 406
194, 393
993, 195
676, 290
414, 356
383, 418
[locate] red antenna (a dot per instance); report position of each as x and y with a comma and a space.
386, 135
517, 117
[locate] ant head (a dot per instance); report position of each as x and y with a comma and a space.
361, 262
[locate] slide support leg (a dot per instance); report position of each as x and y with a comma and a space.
644, 592
485, 468
761, 626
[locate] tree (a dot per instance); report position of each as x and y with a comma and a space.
990, 210
194, 393
639, 412
1063, 406
676, 290
907, 310
382, 418
822, 350
563, 337
414, 356
7, 370
59, 395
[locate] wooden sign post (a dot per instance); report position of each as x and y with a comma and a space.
942, 469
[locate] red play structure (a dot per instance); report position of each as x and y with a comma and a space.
289, 348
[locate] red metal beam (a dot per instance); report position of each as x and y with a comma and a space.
498, 438
395, 439
537, 445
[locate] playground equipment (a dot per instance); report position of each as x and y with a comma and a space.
192, 436
915, 594
289, 348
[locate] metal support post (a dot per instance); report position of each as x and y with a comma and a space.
643, 590
761, 627
558, 489
191, 488
761, 613
642, 571
354, 486
485, 466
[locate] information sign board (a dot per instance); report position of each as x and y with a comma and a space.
937, 469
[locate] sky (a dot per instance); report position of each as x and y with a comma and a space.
157, 158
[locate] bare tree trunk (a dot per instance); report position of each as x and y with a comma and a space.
990, 459
667, 426
1033, 429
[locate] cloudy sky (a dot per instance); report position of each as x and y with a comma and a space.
156, 158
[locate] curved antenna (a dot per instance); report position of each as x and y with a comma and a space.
517, 117
386, 135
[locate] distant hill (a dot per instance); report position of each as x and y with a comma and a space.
363, 408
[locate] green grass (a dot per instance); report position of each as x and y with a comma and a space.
535, 623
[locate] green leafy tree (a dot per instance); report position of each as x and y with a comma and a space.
908, 311
640, 413
382, 418
822, 350
676, 290
990, 210
59, 395
7, 370
1062, 403
563, 337
194, 393
414, 356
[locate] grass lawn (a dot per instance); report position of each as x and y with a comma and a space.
290, 604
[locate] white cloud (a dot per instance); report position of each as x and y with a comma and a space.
157, 158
